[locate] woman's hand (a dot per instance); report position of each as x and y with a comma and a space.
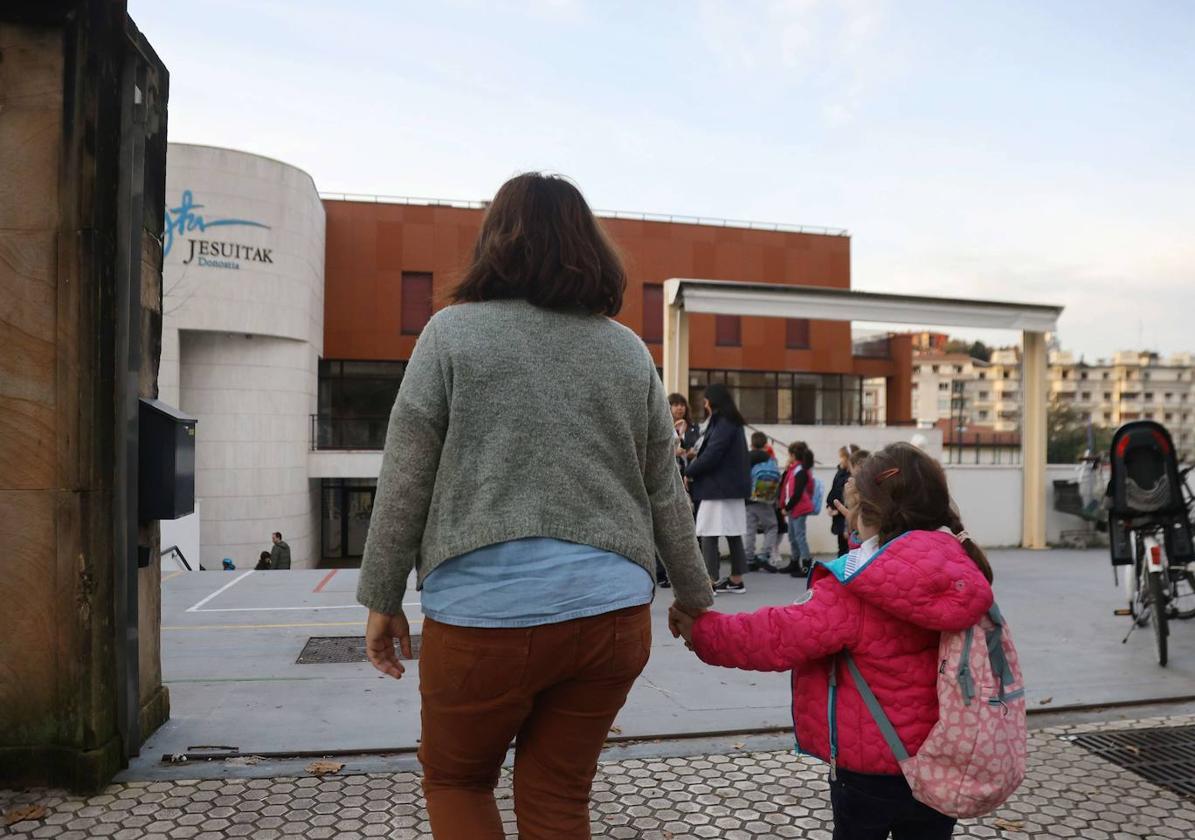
380, 632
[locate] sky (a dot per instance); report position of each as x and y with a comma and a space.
1029, 151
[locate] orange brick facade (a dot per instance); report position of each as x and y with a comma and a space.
370, 245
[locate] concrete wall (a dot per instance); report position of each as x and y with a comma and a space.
242, 339
253, 396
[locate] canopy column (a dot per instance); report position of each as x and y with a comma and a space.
676, 341
1033, 439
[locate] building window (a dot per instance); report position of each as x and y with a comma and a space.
983, 415
355, 398
796, 333
1105, 375
1107, 395
983, 395
781, 397
983, 374
1066, 374
416, 301
1086, 395
943, 386
728, 330
1107, 416
653, 313
1149, 395
1083, 375
934, 368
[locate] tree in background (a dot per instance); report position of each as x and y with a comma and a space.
1066, 434
974, 349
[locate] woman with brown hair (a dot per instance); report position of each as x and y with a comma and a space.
534, 540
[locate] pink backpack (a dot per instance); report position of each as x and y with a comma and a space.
973, 759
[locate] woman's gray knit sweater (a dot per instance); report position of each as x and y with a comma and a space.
514, 421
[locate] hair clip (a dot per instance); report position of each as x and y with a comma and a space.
887, 474
962, 537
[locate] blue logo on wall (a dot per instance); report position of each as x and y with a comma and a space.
184, 220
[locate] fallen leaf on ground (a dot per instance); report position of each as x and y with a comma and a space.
614, 730
24, 812
737, 746
1009, 825
1045, 701
244, 760
324, 768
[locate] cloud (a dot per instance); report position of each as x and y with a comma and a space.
830, 45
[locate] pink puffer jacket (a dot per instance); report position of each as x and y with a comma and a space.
888, 611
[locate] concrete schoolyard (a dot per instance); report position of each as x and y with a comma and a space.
231, 641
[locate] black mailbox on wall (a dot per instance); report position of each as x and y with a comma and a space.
166, 462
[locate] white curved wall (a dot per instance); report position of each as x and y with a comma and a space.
242, 336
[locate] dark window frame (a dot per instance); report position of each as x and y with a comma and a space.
798, 333
415, 311
728, 330
653, 301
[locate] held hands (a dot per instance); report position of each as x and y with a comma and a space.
380, 632
680, 622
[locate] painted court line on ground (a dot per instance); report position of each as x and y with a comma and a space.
288, 609
264, 626
228, 585
173, 574
319, 587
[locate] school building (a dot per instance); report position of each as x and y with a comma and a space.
290, 316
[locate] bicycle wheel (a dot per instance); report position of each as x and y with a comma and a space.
1157, 616
1184, 595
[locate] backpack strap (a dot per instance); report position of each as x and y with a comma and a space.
877, 711
995, 643
965, 683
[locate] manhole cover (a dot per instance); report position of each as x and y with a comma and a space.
324, 650
1164, 756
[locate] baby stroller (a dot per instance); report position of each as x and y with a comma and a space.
1149, 527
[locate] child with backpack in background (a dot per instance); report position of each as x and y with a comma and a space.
765, 487
797, 496
904, 675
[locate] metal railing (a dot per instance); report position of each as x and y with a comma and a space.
174, 549
671, 218
341, 433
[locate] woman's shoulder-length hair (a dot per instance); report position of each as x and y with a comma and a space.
541, 243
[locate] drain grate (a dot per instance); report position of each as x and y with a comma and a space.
1164, 756
324, 650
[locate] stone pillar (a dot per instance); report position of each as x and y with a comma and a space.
61, 70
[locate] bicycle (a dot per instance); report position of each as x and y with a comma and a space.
1150, 527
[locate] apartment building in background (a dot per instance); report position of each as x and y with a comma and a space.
964, 395
1132, 385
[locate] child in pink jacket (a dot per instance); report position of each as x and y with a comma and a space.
916, 574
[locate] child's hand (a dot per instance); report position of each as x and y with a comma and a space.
681, 624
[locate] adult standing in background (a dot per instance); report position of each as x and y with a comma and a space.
687, 434
686, 430
721, 484
279, 553
837, 519
534, 540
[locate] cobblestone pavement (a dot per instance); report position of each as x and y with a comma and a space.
1068, 793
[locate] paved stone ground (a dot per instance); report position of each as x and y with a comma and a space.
1068, 793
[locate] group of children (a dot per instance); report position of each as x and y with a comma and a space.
782, 502
912, 574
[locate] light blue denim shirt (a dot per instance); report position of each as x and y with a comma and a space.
523, 583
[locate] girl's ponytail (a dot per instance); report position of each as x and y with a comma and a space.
974, 551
